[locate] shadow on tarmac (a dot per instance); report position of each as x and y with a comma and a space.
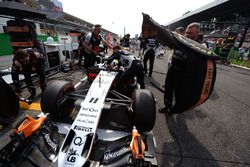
214, 95
185, 150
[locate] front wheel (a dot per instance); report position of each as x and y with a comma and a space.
53, 100
144, 110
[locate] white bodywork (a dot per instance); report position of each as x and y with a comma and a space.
127, 59
72, 151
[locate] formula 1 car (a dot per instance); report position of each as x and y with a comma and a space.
103, 118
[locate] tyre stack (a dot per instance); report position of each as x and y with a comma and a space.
22, 33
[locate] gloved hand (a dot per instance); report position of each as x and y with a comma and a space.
122, 69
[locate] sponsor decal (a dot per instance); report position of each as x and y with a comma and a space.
208, 80
82, 128
88, 115
52, 144
86, 121
103, 82
78, 141
108, 155
207, 83
90, 109
93, 100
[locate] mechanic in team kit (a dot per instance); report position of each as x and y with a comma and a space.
26, 62
136, 68
91, 45
125, 41
174, 74
151, 45
81, 50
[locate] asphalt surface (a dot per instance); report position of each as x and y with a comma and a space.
213, 134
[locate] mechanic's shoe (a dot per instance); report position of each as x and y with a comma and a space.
163, 110
166, 110
28, 100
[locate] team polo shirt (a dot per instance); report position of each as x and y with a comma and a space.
93, 41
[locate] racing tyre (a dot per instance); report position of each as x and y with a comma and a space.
9, 106
144, 110
53, 100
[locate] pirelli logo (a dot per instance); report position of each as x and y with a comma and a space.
82, 128
207, 83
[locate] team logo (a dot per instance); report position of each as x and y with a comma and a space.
78, 141
72, 156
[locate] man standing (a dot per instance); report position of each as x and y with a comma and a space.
91, 46
81, 50
192, 74
193, 31
151, 44
181, 31
50, 40
174, 75
125, 41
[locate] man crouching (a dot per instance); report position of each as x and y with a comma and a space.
26, 62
